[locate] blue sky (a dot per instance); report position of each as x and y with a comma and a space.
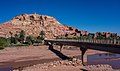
90, 15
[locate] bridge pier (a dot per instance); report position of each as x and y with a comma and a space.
83, 55
61, 46
50, 46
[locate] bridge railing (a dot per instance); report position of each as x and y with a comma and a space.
98, 41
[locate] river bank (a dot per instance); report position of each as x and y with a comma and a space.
72, 64
21, 57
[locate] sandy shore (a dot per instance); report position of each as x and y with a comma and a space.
32, 55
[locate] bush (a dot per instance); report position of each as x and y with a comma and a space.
41, 35
40, 38
38, 41
13, 40
3, 43
22, 36
100, 37
29, 40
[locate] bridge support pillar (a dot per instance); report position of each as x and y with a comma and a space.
61, 47
50, 46
84, 54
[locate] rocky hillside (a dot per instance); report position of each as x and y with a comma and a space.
32, 24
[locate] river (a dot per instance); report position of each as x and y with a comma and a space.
106, 58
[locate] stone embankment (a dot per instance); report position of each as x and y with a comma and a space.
72, 64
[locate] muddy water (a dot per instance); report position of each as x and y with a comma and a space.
106, 58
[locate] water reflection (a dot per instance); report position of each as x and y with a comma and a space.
106, 58
6, 69
107, 54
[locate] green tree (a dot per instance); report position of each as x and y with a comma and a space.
39, 39
22, 36
89, 36
3, 42
100, 37
12, 40
16, 38
29, 39
42, 35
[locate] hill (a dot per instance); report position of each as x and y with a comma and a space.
32, 24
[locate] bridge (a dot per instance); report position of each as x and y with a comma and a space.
112, 46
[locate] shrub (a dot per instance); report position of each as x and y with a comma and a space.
22, 36
13, 40
29, 40
3, 42
42, 35
16, 38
